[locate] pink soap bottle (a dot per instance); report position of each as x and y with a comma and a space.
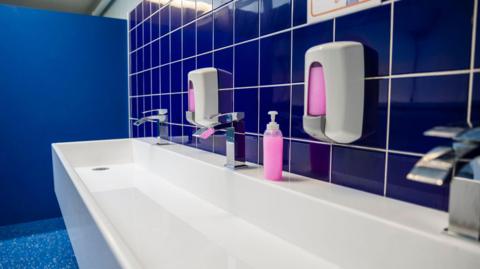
273, 149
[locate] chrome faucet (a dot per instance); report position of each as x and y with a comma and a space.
458, 164
161, 118
233, 125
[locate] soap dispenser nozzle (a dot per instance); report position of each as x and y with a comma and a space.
272, 125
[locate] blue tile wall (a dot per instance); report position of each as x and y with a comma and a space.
416, 78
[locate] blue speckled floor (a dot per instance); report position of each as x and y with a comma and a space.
39, 244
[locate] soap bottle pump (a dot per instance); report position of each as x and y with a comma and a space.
273, 149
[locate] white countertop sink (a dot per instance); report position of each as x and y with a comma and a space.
177, 207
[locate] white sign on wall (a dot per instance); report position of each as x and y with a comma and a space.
321, 10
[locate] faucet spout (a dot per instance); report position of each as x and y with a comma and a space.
161, 118
234, 127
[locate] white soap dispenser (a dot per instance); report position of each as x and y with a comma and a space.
273, 149
334, 92
202, 96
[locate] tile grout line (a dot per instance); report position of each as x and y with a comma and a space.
129, 87
258, 81
181, 70
472, 64
390, 67
291, 90
213, 61
330, 153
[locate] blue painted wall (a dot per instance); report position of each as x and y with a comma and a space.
63, 77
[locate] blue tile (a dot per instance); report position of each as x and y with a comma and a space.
223, 61
132, 19
274, 15
133, 62
477, 46
175, 14
305, 38
225, 101
176, 108
204, 34
154, 6
275, 98
156, 102
133, 40
297, 112
359, 169
133, 107
165, 49
286, 153
156, 53
246, 19
246, 100
203, 6
299, 12
148, 129
164, 21
176, 134
251, 148
189, 40
246, 64
139, 12
146, 32
370, 27
310, 159
189, 11
165, 79
275, 59
139, 33
375, 114
147, 82
218, 3
146, 57
155, 24
189, 140
476, 100
156, 80
140, 84
184, 108
176, 45
418, 104
165, 104
431, 37
399, 187
133, 85
205, 60
146, 9
176, 77
139, 60
188, 65
223, 26
140, 107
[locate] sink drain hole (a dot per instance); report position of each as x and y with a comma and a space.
100, 169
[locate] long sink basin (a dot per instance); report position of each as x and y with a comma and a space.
132, 204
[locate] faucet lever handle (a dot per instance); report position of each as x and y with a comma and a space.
161, 111
229, 117
444, 132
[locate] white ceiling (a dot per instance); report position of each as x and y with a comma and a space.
75, 6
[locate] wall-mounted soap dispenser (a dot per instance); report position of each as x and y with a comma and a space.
202, 96
334, 92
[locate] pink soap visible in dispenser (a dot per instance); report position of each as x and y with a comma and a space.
191, 97
273, 150
316, 91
